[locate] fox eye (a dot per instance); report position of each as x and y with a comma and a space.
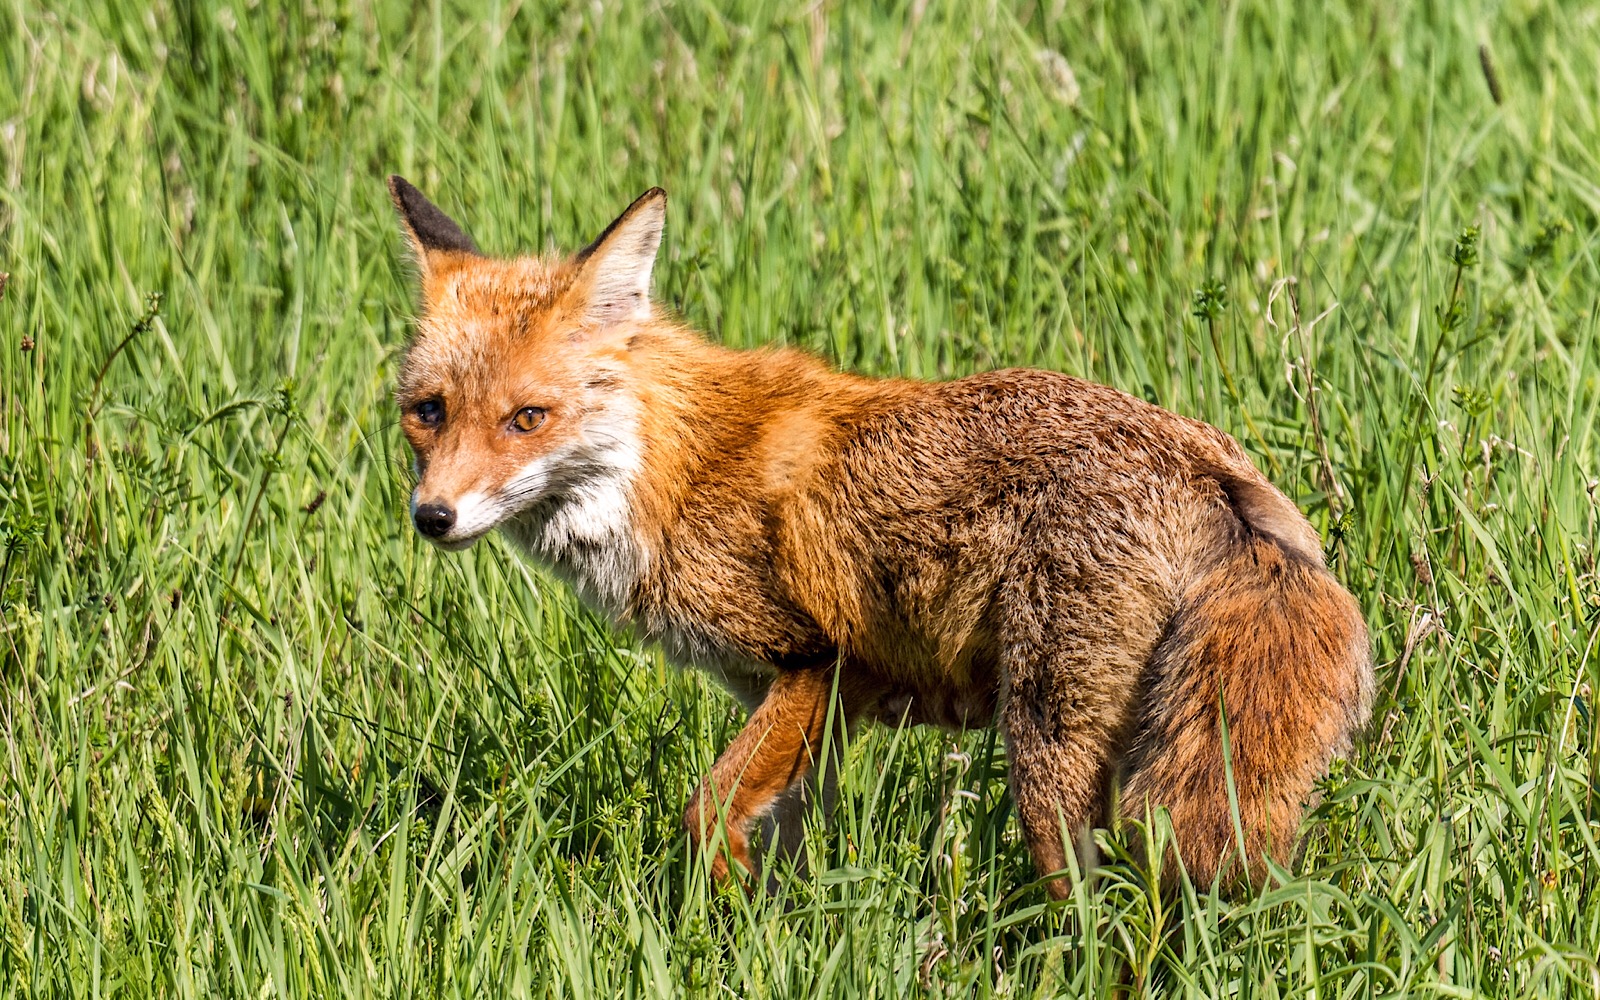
430, 412
528, 418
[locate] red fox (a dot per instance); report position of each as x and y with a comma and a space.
1113, 585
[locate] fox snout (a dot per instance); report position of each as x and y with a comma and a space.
454, 522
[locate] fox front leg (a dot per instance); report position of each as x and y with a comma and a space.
776, 749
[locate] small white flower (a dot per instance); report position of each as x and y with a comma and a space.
1058, 75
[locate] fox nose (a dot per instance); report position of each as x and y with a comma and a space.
434, 519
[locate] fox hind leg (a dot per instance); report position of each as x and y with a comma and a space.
1058, 785
1070, 669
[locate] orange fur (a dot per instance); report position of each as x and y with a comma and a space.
1100, 577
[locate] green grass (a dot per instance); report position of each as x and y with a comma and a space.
259, 741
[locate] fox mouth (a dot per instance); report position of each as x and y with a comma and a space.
459, 543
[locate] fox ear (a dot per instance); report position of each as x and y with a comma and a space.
614, 271
430, 231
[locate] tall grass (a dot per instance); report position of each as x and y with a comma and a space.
259, 741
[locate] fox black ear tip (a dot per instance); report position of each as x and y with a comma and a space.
399, 187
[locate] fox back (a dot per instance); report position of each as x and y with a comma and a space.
1112, 584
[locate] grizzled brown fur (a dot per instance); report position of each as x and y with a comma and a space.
1097, 576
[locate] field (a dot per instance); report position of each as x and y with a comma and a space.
260, 741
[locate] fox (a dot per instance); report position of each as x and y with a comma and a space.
1148, 621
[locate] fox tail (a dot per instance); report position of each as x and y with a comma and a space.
1270, 650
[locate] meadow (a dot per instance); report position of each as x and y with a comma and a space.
260, 741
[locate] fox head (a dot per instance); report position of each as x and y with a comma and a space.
511, 389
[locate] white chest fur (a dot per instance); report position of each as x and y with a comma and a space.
597, 553
586, 536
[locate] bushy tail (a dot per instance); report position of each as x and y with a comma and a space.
1269, 638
